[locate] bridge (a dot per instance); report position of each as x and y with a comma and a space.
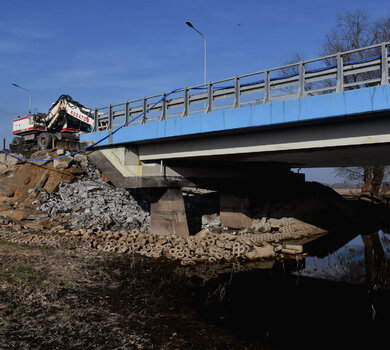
325, 112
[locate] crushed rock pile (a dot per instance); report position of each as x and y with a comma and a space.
97, 205
69, 190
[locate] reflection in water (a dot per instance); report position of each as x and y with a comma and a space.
269, 305
364, 259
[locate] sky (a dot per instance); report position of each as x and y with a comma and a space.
104, 52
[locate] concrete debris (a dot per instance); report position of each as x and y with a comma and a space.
72, 191
203, 248
62, 163
95, 204
82, 160
282, 225
211, 220
295, 247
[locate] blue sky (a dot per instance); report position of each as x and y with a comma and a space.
104, 52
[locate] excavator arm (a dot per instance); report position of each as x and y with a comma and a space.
63, 109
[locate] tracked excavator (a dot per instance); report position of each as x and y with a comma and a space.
59, 128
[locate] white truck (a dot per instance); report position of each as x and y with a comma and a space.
59, 128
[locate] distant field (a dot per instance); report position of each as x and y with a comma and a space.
348, 191
355, 192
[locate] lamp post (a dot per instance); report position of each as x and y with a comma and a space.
204, 41
29, 92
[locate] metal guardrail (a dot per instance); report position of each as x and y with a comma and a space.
348, 70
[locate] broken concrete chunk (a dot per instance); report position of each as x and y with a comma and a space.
81, 159
295, 248
62, 163
210, 220
42, 181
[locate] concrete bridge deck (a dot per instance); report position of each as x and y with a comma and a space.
338, 129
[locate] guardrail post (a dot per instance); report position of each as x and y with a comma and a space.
164, 107
384, 65
144, 111
96, 120
340, 73
237, 92
267, 88
127, 114
186, 98
110, 118
301, 87
209, 108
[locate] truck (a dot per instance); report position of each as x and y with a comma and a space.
59, 128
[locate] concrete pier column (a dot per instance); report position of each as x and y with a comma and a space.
235, 210
168, 215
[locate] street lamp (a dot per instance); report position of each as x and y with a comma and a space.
29, 92
204, 40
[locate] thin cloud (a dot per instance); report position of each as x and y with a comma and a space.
10, 47
11, 30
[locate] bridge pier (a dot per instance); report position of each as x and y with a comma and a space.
168, 215
235, 210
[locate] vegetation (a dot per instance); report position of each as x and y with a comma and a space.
354, 30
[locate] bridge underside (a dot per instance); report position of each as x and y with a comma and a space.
358, 141
239, 151
164, 181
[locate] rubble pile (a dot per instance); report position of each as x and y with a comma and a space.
93, 204
68, 190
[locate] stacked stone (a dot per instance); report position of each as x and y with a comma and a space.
204, 247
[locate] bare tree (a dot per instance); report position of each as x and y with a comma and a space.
355, 30
293, 70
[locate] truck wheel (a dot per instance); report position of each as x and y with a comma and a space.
16, 143
44, 141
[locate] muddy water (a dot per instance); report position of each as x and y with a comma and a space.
336, 298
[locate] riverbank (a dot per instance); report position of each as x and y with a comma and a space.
70, 297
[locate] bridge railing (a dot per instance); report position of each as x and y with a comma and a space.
348, 70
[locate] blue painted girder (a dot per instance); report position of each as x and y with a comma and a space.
342, 104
